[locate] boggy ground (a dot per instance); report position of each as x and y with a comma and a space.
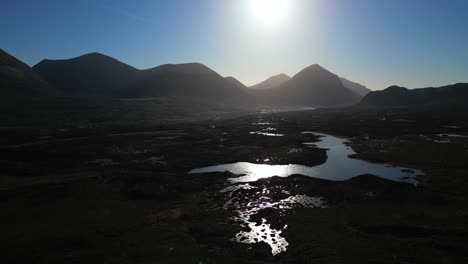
123, 195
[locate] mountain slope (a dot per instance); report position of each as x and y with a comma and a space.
272, 82
356, 87
395, 96
235, 82
313, 87
92, 74
19, 80
184, 80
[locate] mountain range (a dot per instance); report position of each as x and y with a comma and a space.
277, 80
314, 86
184, 80
98, 75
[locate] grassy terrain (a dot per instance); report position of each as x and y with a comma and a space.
121, 194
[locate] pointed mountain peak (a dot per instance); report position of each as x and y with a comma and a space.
316, 65
317, 71
315, 68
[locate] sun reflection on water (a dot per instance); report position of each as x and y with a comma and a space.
248, 201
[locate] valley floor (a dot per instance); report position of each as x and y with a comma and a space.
124, 195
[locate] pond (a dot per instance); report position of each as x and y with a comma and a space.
338, 167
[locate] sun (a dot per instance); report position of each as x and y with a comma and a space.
269, 12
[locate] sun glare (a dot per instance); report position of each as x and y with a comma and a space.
269, 12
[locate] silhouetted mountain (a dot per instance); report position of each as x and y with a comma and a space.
92, 74
272, 82
184, 80
314, 87
395, 96
99, 75
236, 82
18, 79
356, 87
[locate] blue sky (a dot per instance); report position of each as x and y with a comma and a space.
378, 43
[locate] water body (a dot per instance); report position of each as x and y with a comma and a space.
451, 135
446, 138
338, 167
266, 134
246, 207
442, 141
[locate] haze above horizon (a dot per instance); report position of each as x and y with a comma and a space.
416, 43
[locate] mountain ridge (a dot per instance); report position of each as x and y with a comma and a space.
271, 82
355, 87
92, 74
181, 80
96, 74
396, 96
236, 82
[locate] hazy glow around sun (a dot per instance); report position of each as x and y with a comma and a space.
269, 12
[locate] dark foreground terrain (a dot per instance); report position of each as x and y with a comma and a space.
124, 195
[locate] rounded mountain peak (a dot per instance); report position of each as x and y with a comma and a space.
396, 88
283, 75
187, 68
93, 55
88, 61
